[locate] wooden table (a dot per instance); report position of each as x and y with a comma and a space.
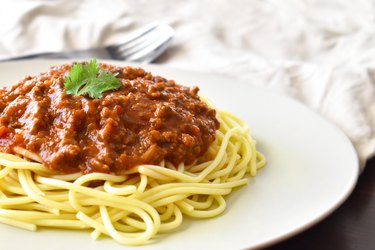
352, 226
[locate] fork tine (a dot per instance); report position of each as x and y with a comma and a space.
152, 44
140, 32
133, 37
137, 44
153, 50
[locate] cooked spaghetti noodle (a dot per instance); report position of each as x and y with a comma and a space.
132, 207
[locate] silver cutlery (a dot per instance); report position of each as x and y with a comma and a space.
143, 45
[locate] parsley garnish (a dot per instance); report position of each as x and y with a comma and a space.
89, 79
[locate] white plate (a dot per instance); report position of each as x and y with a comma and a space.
312, 168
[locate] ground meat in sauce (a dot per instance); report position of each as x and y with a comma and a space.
147, 120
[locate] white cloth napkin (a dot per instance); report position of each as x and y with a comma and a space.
319, 52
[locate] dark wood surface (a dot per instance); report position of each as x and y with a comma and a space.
352, 226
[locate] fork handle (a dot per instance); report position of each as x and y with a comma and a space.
101, 53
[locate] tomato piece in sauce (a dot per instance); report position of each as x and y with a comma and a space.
3, 131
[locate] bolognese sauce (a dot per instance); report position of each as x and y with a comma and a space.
147, 120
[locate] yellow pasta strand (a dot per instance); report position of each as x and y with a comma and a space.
131, 209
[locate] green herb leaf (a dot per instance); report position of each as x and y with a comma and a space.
89, 79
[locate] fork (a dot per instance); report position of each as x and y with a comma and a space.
143, 45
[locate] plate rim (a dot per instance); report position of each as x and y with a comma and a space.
295, 231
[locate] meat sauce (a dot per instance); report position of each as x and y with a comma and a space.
145, 121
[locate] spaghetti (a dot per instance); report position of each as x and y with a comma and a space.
132, 207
